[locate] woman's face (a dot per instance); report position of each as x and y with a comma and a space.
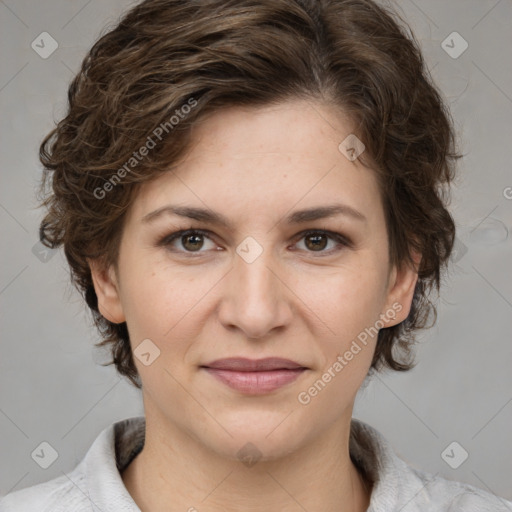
268, 282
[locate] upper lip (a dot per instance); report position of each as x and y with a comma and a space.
243, 364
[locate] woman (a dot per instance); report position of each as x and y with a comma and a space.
250, 198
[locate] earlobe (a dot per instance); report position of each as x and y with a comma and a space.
401, 291
107, 291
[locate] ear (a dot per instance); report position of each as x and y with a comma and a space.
107, 291
400, 292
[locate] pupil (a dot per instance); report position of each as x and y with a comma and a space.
316, 244
194, 239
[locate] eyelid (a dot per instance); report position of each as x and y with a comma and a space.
176, 235
341, 239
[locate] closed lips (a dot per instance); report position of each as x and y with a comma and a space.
240, 364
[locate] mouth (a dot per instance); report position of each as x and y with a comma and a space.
255, 376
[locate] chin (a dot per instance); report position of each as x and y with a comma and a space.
257, 440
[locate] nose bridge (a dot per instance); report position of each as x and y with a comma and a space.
256, 301
254, 278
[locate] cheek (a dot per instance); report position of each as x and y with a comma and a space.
149, 303
163, 302
349, 304
347, 300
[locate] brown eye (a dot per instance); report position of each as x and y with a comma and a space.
316, 242
323, 242
188, 241
196, 241
192, 242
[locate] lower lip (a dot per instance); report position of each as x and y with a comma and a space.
255, 382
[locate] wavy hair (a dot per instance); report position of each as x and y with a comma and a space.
354, 54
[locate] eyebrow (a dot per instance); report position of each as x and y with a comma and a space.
215, 218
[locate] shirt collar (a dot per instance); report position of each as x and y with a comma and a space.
118, 444
110, 453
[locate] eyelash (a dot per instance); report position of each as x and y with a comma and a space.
338, 237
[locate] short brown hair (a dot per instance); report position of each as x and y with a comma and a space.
164, 54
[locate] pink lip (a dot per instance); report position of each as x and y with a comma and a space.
255, 376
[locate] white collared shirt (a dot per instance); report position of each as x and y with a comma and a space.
96, 484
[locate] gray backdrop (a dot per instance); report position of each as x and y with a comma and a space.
52, 388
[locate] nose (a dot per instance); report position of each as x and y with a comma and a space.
255, 298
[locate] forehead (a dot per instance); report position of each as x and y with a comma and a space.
265, 161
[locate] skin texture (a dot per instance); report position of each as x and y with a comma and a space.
254, 166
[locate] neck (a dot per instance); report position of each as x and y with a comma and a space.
174, 468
